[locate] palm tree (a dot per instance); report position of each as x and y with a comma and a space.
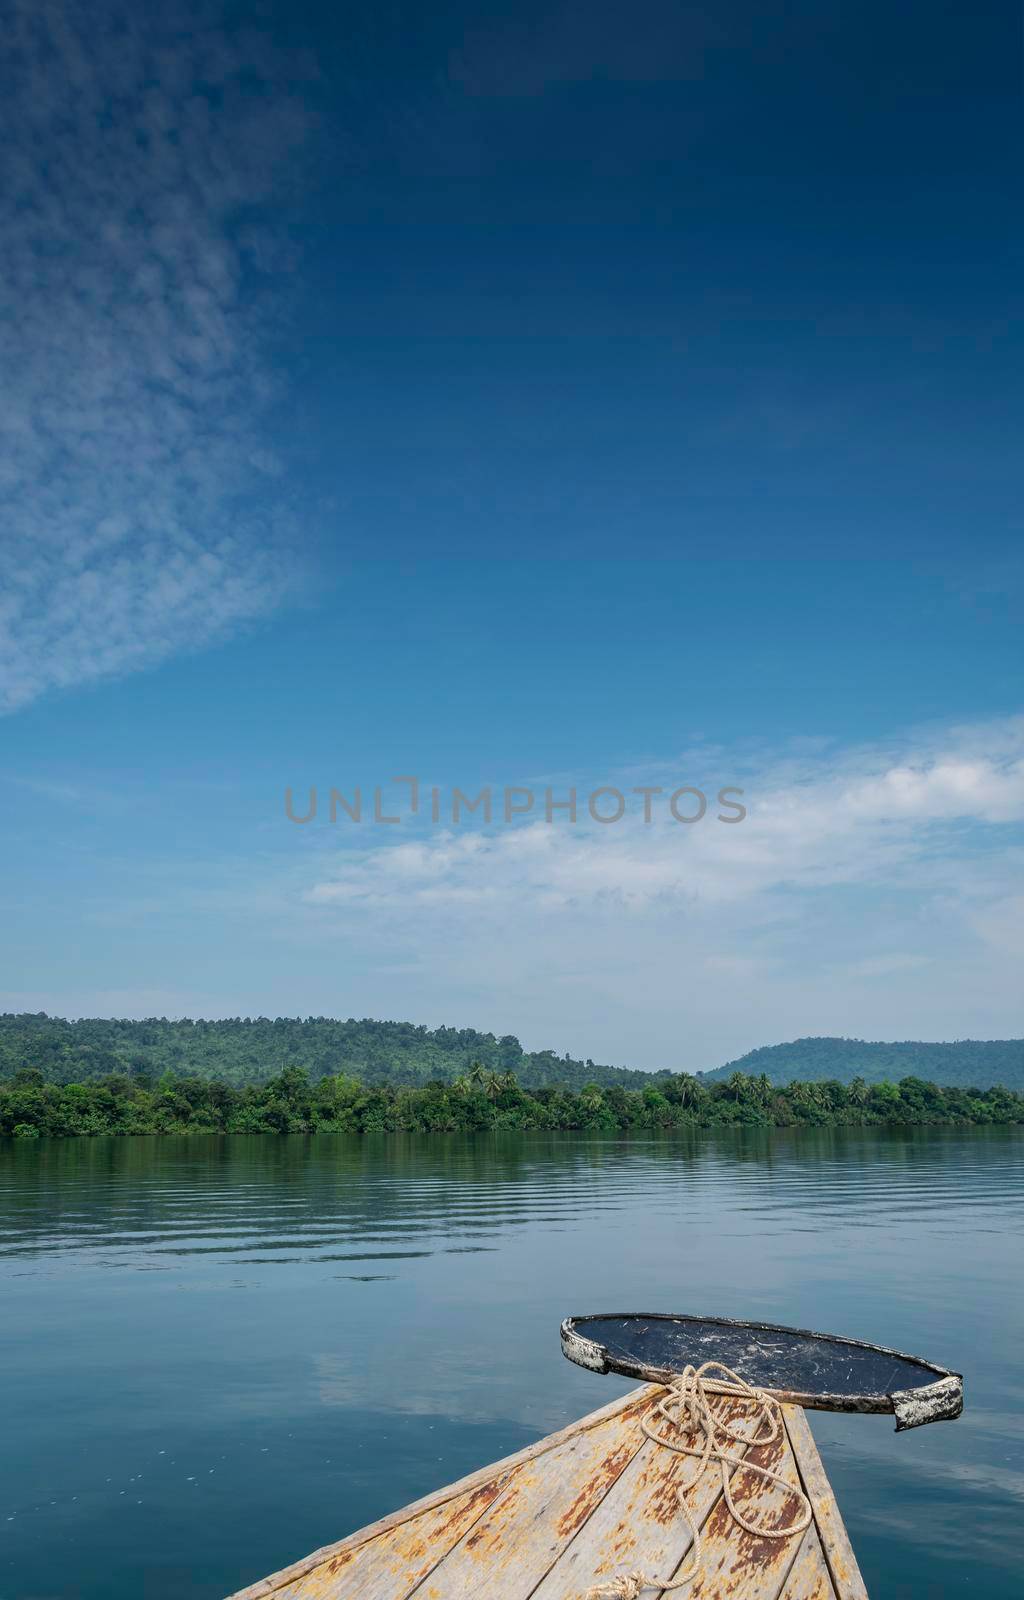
689, 1091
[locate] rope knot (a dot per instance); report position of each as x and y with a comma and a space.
626, 1587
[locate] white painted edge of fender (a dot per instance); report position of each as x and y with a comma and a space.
934, 1402
584, 1352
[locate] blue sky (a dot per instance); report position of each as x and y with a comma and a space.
515, 396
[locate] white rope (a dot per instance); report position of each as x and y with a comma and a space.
686, 1408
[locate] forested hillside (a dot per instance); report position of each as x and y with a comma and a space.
243, 1050
968, 1062
252, 1050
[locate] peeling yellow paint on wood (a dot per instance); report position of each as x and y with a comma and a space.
592, 1501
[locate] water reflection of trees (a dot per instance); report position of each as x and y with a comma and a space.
365, 1196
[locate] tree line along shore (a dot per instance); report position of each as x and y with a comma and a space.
481, 1100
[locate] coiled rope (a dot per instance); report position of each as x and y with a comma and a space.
686, 1407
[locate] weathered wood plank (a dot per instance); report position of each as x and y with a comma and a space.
263, 1588
741, 1566
582, 1506
390, 1566
809, 1575
545, 1504
835, 1541
639, 1523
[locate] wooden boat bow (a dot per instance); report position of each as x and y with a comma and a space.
598, 1503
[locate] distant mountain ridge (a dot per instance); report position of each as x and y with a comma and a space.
967, 1063
243, 1050
240, 1050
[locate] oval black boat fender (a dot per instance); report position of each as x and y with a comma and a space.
821, 1371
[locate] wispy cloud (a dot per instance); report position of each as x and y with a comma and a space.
861, 817
874, 891
139, 510
870, 891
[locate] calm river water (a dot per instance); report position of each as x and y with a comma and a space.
218, 1354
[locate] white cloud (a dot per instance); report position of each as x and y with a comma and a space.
868, 819
849, 902
871, 892
139, 515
